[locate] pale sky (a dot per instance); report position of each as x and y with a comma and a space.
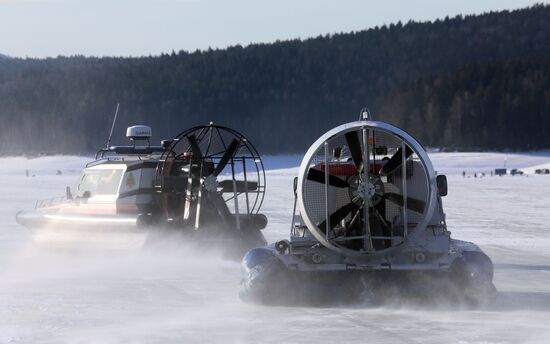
41, 28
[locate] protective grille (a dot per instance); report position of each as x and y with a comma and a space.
339, 199
244, 166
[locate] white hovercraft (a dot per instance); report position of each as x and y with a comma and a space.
207, 183
370, 225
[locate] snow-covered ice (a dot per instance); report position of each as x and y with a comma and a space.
170, 295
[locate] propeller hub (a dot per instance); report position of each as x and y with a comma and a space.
373, 190
210, 183
361, 192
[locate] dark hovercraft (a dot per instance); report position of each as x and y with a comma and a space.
370, 226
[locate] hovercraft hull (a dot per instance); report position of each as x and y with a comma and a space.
55, 230
271, 279
38, 219
82, 230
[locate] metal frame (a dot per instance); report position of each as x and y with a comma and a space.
250, 152
407, 139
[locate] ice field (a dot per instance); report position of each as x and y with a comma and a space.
173, 294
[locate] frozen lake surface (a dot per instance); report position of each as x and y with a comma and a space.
173, 294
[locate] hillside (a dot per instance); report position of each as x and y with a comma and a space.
475, 82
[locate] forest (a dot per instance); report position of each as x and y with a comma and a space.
477, 82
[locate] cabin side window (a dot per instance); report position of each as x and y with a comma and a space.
99, 182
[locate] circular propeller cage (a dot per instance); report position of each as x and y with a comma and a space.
360, 211
216, 161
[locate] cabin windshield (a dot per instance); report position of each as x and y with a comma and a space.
99, 182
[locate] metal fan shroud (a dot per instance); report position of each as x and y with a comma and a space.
217, 161
332, 188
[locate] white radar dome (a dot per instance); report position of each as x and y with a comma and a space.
139, 132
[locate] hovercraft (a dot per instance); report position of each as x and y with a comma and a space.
206, 184
370, 227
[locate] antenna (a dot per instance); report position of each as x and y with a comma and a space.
113, 126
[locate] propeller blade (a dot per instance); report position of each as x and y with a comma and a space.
412, 203
319, 177
354, 145
216, 201
198, 209
194, 147
339, 215
193, 196
383, 221
395, 161
242, 186
229, 153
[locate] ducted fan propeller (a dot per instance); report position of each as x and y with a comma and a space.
346, 192
219, 170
